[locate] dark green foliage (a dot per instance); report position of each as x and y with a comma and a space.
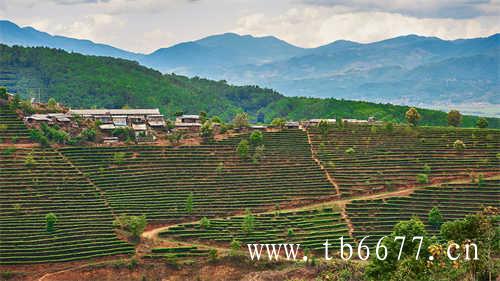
454, 118
482, 123
82, 81
435, 217
89, 134
408, 267
134, 224
256, 138
124, 133
243, 149
189, 203
422, 178
50, 221
248, 222
3, 93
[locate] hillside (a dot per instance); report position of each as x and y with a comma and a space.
425, 71
89, 81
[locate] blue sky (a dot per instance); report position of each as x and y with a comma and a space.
146, 25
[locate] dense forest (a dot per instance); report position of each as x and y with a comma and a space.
81, 81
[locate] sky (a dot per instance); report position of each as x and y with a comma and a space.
146, 25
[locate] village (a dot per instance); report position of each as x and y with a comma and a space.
149, 125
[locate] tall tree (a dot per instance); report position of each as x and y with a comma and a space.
412, 116
454, 118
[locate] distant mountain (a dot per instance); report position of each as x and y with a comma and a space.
12, 34
416, 70
213, 55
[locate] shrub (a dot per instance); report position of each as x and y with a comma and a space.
212, 255
189, 203
256, 138
350, 150
8, 151
29, 160
248, 222
435, 218
389, 127
119, 157
50, 221
258, 153
427, 169
205, 223
480, 180
243, 149
459, 145
207, 130
3, 93
373, 129
89, 134
235, 247
290, 233
422, 178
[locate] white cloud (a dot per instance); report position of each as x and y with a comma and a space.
313, 26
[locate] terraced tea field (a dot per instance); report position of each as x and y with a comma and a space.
12, 129
156, 181
47, 183
309, 228
454, 200
363, 160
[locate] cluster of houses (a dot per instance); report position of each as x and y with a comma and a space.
142, 121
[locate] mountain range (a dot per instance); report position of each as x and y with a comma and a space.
414, 70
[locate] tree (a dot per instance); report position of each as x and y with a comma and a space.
407, 267
422, 178
482, 229
459, 145
240, 120
454, 118
203, 117
412, 116
207, 130
134, 224
175, 138
482, 123
243, 149
52, 104
216, 119
278, 122
435, 218
258, 153
89, 134
3, 93
256, 138
50, 221
248, 222
189, 203
323, 128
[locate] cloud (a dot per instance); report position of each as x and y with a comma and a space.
314, 26
419, 8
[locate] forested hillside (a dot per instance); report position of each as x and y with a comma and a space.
90, 81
